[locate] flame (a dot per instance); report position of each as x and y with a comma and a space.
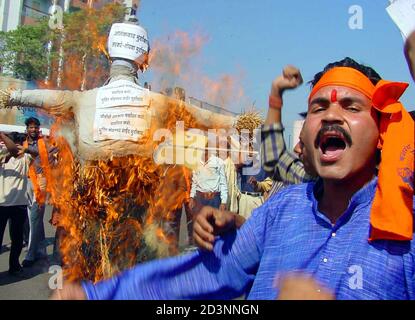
175, 60
171, 56
225, 91
118, 212
83, 41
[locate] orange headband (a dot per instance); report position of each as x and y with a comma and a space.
345, 77
391, 215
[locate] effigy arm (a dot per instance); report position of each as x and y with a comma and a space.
54, 102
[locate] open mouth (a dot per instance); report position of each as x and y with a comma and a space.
332, 145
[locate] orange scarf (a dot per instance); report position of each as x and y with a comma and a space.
44, 162
391, 216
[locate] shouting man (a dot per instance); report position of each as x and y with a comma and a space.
352, 229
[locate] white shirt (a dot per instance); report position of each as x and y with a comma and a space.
210, 177
15, 188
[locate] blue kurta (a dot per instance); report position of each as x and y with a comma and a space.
287, 233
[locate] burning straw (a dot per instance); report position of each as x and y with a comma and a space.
118, 212
249, 121
5, 98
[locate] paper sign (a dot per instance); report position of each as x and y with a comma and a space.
121, 112
122, 93
402, 13
127, 41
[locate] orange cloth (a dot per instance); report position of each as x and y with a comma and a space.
345, 77
392, 209
40, 195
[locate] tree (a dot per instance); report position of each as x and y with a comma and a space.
85, 34
26, 55
24, 51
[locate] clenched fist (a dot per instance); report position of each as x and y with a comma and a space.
290, 79
211, 222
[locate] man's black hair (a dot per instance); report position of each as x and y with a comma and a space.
412, 113
32, 120
20, 138
17, 137
369, 72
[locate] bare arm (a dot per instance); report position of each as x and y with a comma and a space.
32, 152
10, 145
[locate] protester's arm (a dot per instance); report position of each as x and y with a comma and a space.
211, 222
290, 79
410, 53
277, 160
4, 153
179, 277
10, 145
33, 153
55, 102
264, 185
227, 272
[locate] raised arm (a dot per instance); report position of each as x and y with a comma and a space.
276, 159
290, 79
10, 145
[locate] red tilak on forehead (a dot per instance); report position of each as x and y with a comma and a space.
333, 95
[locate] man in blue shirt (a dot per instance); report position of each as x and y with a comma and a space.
319, 228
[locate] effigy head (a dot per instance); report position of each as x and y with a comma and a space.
129, 41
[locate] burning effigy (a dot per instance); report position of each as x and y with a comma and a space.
115, 202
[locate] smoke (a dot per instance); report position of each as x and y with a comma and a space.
176, 60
